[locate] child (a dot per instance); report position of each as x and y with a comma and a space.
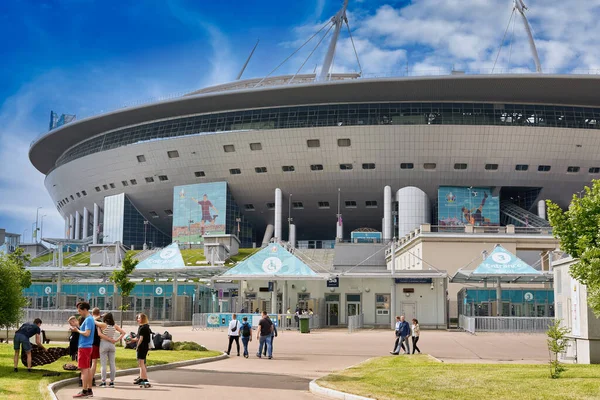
142, 340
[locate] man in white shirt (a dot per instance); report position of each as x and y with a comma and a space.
234, 334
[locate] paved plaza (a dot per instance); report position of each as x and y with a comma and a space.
299, 358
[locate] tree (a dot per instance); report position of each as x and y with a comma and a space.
578, 230
557, 343
121, 279
14, 278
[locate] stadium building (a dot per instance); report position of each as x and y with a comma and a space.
324, 155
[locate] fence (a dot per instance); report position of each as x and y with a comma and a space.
220, 321
355, 322
505, 324
60, 317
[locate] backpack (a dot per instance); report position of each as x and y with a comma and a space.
158, 341
245, 329
167, 336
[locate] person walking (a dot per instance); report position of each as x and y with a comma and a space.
397, 336
143, 345
416, 331
234, 334
246, 333
265, 328
402, 331
288, 319
21, 341
106, 331
86, 331
273, 336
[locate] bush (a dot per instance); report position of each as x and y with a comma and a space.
192, 346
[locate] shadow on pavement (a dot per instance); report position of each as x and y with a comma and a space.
232, 379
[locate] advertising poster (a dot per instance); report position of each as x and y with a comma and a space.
460, 206
199, 210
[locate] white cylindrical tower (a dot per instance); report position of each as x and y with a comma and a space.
542, 209
277, 214
268, 235
95, 224
413, 209
71, 227
339, 229
292, 237
387, 213
86, 223
77, 225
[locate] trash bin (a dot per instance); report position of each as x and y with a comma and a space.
304, 325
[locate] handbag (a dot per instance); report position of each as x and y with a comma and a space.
397, 333
151, 344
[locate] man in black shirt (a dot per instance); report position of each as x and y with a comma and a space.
22, 336
265, 328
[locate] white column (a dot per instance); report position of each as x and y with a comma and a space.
95, 228
393, 304
387, 213
71, 227
292, 237
66, 227
174, 310
339, 230
77, 225
274, 298
86, 223
268, 235
498, 298
278, 214
542, 209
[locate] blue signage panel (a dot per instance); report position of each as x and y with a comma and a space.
414, 280
333, 282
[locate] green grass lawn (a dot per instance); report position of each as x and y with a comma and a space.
32, 386
420, 377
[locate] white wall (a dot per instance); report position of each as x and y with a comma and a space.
114, 209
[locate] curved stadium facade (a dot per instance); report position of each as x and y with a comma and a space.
527, 137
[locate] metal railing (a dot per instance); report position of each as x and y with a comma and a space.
60, 317
220, 321
505, 324
355, 322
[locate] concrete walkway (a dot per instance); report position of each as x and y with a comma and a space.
300, 358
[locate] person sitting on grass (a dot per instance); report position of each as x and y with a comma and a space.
21, 341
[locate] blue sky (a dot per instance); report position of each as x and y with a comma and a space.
85, 57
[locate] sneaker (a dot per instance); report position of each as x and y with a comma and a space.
258, 355
80, 394
137, 380
270, 357
112, 385
29, 370
103, 384
90, 393
16, 370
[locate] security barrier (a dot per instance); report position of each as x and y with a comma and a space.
505, 324
355, 322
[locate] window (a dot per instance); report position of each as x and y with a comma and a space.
153, 214
199, 174
260, 170
125, 183
270, 206
97, 188
594, 170
78, 195
521, 167
249, 207
72, 198
169, 213
430, 165
297, 205
346, 167
133, 181
572, 170
255, 146
313, 143
288, 168
105, 187
141, 158
83, 192
407, 165
323, 204
350, 204
229, 148
173, 154
543, 168
149, 179
491, 167
112, 185
368, 166
460, 166
235, 171
371, 204
343, 142
316, 167
163, 178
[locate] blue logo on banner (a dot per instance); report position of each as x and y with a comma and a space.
502, 262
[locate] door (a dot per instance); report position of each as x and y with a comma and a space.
333, 312
158, 309
409, 310
353, 309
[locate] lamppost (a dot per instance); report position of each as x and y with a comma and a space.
145, 228
37, 213
42, 227
290, 219
23, 236
190, 222
33, 232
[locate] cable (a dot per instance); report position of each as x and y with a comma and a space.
354, 47
503, 37
512, 36
291, 55
311, 53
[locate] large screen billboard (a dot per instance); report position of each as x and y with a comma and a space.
459, 206
199, 210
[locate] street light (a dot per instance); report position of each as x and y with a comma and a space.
42, 227
145, 227
37, 213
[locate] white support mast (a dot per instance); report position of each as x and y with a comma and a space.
520, 6
338, 20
